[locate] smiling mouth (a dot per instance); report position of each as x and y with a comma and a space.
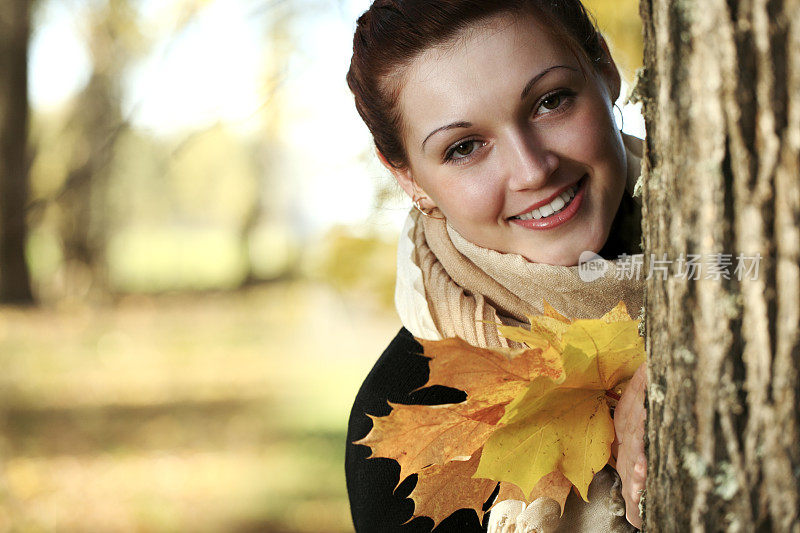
558, 204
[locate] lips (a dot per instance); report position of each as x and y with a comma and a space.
558, 194
559, 218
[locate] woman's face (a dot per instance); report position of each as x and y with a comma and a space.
506, 137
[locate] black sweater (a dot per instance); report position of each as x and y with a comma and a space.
375, 508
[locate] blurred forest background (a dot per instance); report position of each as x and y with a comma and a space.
196, 260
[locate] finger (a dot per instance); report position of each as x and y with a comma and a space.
634, 518
635, 492
636, 469
631, 421
632, 510
635, 421
630, 414
640, 386
632, 468
639, 378
636, 381
637, 449
640, 468
634, 498
622, 470
639, 401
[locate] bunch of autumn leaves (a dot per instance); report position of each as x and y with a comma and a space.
536, 420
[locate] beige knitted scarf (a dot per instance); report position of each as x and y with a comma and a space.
448, 286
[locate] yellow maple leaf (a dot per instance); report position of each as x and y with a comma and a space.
545, 333
565, 424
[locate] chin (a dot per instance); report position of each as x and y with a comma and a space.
572, 256
592, 241
562, 258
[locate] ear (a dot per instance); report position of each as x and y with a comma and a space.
406, 181
610, 73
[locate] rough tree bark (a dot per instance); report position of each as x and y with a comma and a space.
15, 17
721, 93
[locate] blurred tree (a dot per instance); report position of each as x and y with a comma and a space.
95, 178
15, 21
268, 203
113, 37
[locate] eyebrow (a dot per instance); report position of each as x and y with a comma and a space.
532, 83
528, 88
452, 126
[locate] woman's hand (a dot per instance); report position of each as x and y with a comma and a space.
629, 417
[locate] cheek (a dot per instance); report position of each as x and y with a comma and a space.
590, 136
472, 198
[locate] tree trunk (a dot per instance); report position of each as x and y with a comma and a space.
85, 223
721, 92
15, 285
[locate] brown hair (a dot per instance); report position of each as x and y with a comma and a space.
392, 33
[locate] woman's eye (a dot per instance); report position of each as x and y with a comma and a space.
463, 150
553, 102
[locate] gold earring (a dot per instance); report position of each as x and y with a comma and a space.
425, 213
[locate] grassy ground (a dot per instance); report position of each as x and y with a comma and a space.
206, 413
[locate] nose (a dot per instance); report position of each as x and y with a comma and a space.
530, 163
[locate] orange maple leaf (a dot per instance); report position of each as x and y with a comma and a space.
442, 490
418, 436
494, 376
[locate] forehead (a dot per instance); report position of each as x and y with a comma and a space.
487, 64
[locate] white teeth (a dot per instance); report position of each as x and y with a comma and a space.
560, 202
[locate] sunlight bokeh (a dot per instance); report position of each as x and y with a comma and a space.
212, 250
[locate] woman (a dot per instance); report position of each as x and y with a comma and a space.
495, 117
